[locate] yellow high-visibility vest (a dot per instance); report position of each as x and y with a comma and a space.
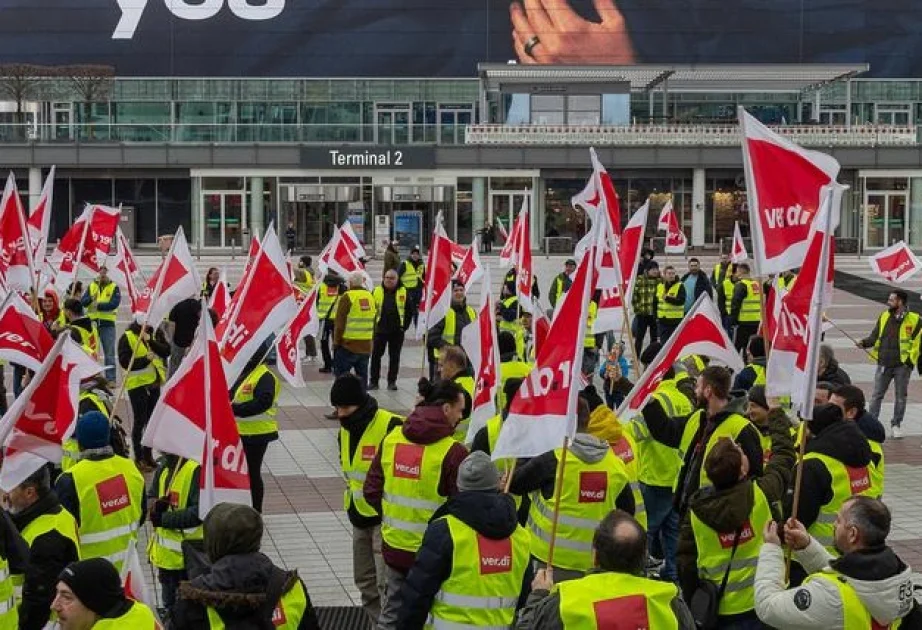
356, 469
101, 294
265, 423
627, 451
877, 470
731, 427
507, 370
665, 310
165, 547
412, 277
909, 337
855, 615
287, 614
153, 373
360, 321
589, 339
138, 616
660, 464
467, 384
450, 335
847, 482
616, 600
327, 299
751, 308
400, 298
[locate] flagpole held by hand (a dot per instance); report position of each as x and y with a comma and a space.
848, 336
557, 490
798, 478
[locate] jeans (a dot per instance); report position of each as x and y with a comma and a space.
662, 523
368, 568
414, 297
393, 342
177, 354
106, 332
643, 323
727, 323
391, 602
143, 400
344, 360
900, 377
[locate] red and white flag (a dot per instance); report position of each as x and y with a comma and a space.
436, 298
792, 363
23, 339
509, 256
87, 243
135, 583
501, 228
480, 343
738, 252
16, 265
44, 414
39, 221
610, 314
525, 274
700, 333
470, 269
599, 193
783, 183
176, 279
342, 258
458, 253
772, 308
220, 296
897, 263
543, 411
676, 242
347, 233
260, 307
194, 419
540, 327
288, 344
123, 270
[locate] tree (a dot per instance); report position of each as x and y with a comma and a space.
92, 83
21, 83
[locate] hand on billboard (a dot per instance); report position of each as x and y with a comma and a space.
549, 31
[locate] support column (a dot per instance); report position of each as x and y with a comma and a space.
848, 103
196, 212
537, 214
35, 187
815, 114
256, 210
698, 214
479, 214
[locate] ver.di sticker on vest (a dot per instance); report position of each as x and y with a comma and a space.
622, 612
858, 479
495, 555
593, 486
368, 453
408, 461
746, 534
622, 448
113, 495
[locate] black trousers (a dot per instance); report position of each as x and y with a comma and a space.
143, 400
414, 297
643, 323
325, 335
254, 448
744, 330
393, 342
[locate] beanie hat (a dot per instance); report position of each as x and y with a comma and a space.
824, 416
96, 583
757, 396
347, 391
478, 473
92, 430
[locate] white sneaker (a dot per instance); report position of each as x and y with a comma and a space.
896, 432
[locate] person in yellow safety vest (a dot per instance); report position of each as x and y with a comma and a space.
511, 365
869, 586
724, 298
412, 474
255, 403
101, 300
717, 416
850, 399
758, 412
411, 272
354, 329
332, 286
745, 307
173, 497
721, 532
304, 275
837, 466
473, 566
89, 596
510, 280
594, 482
94, 396
362, 427
614, 594
561, 282
390, 325
670, 304
81, 327
895, 346
591, 340
787, 279
50, 531
448, 331
722, 270
754, 372
454, 366
509, 319
104, 492
144, 374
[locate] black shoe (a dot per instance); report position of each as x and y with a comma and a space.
393, 387
372, 386
332, 416
326, 370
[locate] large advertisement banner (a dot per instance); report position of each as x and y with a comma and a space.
412, 38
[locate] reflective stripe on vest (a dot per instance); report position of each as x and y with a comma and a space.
589, 338
588, 492
327, 297
751, 308
109, 492
70, 454
855, 615
165, 547
627, 451
730, 427
616, 600
400, 298
88, 339
846, 483
63, 523
876, 470
287, 614
450, 335
101, 295
265, 423
365, 451
411, 488
411, 276
486, 579
153, 373
759, 372
138, 617
715, 548
728, 286
665, 310
360, 321
660, 464
909, 336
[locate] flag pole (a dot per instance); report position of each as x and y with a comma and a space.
798, 479
73, 282
557, 489
848, 336
509, 474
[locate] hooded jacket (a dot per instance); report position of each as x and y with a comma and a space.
881, 580
491, 514
726, 509
424, 425
834, 374
747, 376
871, 427
841, 440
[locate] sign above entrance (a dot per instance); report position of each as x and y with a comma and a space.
363, 158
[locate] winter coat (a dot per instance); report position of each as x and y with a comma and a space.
834, 374
391, 258
424, 425
747, 376
491, 514
871, 427
156, 344
49, 554
726, 509
882, 581
695, 285
462, 319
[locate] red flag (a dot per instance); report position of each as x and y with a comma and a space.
39, 220
15, 248
897, 263
772, 308
259, 308
541, 326
220, 296
89, 239
176, 279
470, 269
123, 269
23, 339
288, 344
792, 364
502, 229
437, 282
512, 247
676, 242
783, 183
344, 261
480, 343
738, 252
135, 583
599, 193
252, 253
701, 333
543, 411
458, 252
194, 419
524, 276
610, 314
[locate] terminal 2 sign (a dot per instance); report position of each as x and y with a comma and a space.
368, 158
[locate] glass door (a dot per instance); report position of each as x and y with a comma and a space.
392, 123
63, 121
505, 207
452, 121
884, 219
223, 218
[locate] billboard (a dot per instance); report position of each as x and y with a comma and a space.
414, 38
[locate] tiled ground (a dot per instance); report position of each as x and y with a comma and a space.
306, 528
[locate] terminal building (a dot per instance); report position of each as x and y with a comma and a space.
223, 142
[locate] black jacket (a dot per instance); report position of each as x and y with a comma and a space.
389, 318
187, 517
834, 375
156, 344
492, 514
747, 376
841, 440
871, 427
355, 426
462, 319
48, 556
702, 284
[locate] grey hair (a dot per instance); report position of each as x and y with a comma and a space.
871, 517
826, 353
356, 281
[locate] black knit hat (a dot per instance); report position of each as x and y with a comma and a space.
757, 396
348, 391
96, 583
